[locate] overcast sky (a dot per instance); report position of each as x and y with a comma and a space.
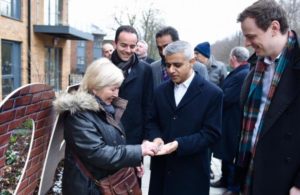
195, 20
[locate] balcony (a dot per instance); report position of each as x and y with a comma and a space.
63, 31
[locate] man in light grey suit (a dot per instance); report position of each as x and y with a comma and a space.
164, 37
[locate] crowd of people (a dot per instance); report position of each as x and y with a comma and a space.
187, 107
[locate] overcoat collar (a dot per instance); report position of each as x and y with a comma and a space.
193, 90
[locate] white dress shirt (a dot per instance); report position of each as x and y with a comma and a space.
180, 90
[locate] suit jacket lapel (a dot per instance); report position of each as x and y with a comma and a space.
193, 90
283, 97
169, 93
132, 75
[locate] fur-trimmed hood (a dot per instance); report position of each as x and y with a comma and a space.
75, 102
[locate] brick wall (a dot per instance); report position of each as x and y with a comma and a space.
33, 101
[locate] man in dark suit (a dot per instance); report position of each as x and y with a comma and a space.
270, 136
163, 37
185, 121
137, 87
231, 119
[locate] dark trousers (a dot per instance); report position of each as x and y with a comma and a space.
228, 176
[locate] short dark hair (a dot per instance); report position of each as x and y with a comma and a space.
169, 30
125, 28
264, 12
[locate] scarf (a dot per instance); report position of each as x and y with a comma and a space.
124, 65
110, 109
251, 109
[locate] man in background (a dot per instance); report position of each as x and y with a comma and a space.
142, 51
163, 37
137, 87
107, 49
216, 69
226, 148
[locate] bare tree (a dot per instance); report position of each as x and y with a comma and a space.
146, 23
150, 23
221, 49
292, 8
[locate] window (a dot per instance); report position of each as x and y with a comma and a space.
97, 49
53, 12
80, 68
11, 65
11, 8
53, 67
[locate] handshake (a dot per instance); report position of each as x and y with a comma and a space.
157, 147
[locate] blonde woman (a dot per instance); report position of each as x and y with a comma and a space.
93, 133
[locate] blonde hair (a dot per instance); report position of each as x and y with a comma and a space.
99, 74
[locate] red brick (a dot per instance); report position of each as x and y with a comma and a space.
48, 87
48, 95
7, 116
36, 151
47, 104
35, 160
33, 178
32, 116
4, 139
33, 169
2, 151
36, 98
16, 94
38, 142
25, 90
23, 184
44, 113
37, 88
16, 124
20, 112
33, 108
40, 124
49, 121
23, 100
2, 162
46, 138
30, 188
3, 128
7, 105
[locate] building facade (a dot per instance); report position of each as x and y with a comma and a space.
36, 44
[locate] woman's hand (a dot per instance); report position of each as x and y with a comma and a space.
149, 148
140, 171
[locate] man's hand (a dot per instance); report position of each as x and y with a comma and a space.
158, 141
168, 148
294, 191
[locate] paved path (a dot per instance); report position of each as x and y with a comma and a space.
215, 165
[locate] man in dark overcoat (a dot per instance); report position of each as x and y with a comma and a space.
185, 121
137, 87
231, 118
269, 152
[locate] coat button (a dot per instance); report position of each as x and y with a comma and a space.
174, 117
